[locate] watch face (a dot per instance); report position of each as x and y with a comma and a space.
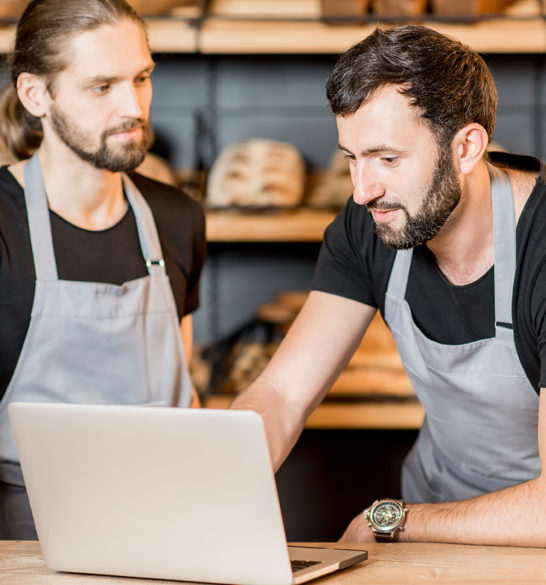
386, 515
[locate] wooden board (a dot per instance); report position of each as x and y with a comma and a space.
286, 26
299, 225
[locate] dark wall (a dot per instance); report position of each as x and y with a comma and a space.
332, 475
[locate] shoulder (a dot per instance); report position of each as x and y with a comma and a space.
532, 220
531, 251
353, 262
173, 209
161, 195
352, 223
12, 196
353, 229
8, 182
525, 174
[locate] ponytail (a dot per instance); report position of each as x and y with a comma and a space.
21, 132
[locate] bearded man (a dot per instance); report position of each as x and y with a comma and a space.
448, 242
99, 266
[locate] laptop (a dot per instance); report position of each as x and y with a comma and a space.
164, 493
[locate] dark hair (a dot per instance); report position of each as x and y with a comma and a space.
40, 48
449, 83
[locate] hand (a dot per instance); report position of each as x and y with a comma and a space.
358, 531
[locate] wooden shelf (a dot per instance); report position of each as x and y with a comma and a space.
299, 225
296, 26
270, 37
272, 27
166, 35
353, 414
521, 29
7, 37
172, 36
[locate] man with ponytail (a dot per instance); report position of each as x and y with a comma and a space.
99, 266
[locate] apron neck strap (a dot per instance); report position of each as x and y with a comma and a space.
147, 231
39, 223
504, 224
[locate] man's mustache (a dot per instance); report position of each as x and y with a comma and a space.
127, 127
383, 205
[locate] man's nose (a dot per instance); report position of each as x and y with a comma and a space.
366, 187
130, 105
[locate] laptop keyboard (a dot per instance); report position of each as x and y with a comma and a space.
298, 565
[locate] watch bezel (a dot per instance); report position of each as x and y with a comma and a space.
392, 528
392, 525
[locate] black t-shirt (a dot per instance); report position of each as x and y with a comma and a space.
111, 256
354, 263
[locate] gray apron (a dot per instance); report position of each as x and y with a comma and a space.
90, 342
481, 423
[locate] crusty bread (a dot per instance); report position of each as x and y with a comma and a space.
334, 185
257, 173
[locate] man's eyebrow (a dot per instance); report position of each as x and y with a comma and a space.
149, 68
98, 79
375, 149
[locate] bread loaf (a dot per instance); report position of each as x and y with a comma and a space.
257, 173
334, 185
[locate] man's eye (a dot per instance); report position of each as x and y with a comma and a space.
100, 89
142, 79
390, 159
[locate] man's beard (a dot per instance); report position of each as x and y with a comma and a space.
441, 198
126, 157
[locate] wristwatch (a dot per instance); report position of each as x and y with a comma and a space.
386, 518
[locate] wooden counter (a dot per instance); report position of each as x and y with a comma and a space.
399, 563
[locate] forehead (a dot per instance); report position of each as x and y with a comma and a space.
386, 118
116, 50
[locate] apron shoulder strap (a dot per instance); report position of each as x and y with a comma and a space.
147, 231
504, 227
39, 224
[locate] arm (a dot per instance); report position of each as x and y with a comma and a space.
514, 516
317, 347
186, 330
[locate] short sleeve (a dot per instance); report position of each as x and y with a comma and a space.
343, 266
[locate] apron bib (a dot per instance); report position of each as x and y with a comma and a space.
481, 423
94, 343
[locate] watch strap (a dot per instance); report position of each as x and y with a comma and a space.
386, 536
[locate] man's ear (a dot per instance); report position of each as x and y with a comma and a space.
469, 146
33, 93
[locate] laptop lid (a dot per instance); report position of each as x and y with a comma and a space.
163, 493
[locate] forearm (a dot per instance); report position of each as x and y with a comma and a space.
515, 516
283, 422
304, 367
